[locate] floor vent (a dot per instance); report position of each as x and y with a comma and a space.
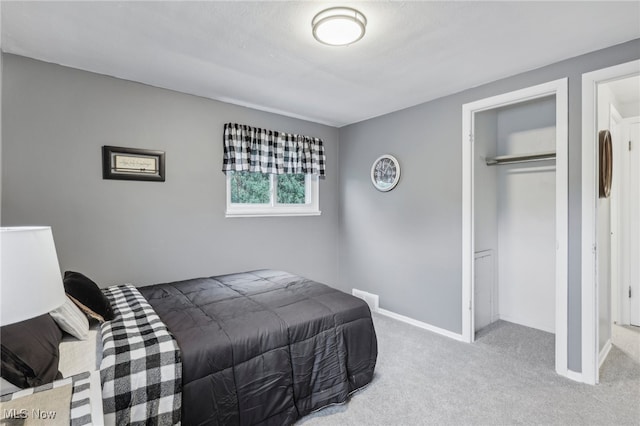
371, 299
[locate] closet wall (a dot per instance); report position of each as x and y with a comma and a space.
515, 211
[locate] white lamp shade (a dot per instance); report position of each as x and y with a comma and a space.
31, 281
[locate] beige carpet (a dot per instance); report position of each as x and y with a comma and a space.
627, 339
505, 378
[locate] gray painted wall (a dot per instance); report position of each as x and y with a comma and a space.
406, 245
1, 70
56, 120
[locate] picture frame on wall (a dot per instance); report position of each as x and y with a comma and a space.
133, 164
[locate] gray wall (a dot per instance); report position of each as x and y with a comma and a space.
1, 70
56, 120
406, 245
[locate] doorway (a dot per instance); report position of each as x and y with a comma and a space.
610, 235
624, 323
474, 195
622, 97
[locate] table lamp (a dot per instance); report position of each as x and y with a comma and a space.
30, 280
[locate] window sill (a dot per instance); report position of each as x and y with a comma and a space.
274, 213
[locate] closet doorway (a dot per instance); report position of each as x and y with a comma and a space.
515, 210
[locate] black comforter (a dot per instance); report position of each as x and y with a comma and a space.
265, 347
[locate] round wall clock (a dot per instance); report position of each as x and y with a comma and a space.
385, 172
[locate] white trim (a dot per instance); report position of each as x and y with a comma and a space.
604, 352
310, 208
373, 300
468, 241
574, 375
421, 324
616, 127
559, 88
562, 227
274, 213
589, 212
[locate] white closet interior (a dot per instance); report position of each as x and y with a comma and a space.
515, 213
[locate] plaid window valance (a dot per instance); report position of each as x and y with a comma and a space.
268, 151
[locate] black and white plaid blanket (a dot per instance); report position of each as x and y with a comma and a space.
141, 370
80, 414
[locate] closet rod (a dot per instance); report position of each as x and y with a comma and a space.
524, 158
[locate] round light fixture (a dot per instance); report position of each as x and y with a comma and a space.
339, 26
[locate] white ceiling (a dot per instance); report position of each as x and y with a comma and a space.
626, 91
262, 54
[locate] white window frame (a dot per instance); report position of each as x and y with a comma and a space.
273, 208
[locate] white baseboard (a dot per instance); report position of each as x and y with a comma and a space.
421, 324
373, 300
570, 374
604, 352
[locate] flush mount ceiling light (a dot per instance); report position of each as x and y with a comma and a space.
339, 26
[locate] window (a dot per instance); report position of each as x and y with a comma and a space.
271, 173
261, 194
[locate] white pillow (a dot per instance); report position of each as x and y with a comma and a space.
71, 319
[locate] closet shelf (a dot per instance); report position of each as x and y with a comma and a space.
521, 158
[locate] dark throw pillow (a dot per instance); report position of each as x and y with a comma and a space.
87, 296
29, 351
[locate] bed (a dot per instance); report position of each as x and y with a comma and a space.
260, 347
264, 347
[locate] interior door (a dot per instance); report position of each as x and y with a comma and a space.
634, 222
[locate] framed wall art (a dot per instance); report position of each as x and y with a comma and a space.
132, 164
